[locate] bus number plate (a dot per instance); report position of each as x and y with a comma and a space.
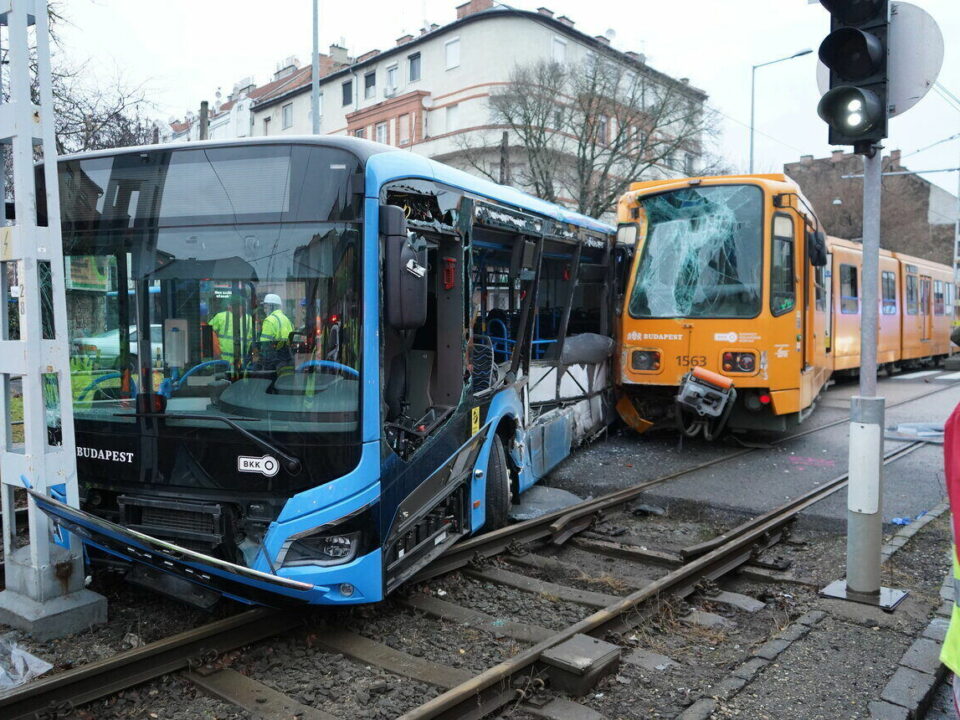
691, 360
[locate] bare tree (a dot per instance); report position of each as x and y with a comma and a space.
586, 131
93, 116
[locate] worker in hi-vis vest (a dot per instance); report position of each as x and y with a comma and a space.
234, 329
275, 333
950, 652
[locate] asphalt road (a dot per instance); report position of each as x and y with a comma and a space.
766, 478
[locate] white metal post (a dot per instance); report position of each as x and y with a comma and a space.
44, 581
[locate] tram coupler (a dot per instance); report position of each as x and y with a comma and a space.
709, 397
706, 393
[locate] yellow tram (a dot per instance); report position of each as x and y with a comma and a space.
738, 309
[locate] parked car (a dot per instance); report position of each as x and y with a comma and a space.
104, 347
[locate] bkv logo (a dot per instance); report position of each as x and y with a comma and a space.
266, 465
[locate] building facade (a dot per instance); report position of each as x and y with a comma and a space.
430, 93
917, 217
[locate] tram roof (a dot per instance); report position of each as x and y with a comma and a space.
386, 163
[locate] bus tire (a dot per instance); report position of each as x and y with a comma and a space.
497, 491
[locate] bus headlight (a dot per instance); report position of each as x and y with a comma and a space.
323, 549
645, 360
334, 543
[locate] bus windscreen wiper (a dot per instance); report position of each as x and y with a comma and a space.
290, 463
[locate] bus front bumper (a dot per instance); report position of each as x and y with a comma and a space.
234, 581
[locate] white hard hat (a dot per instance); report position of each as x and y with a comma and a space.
272, 299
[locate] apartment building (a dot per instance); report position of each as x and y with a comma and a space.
430, 92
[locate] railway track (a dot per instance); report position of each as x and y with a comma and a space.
465, 694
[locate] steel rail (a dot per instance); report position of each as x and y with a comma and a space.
563, 523
713, 564
60, 693
838, 483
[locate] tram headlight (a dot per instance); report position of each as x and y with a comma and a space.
739, 362
645, 360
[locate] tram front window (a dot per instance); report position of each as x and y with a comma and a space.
216, 283
701, 255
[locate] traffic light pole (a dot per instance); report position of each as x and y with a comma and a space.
865, 487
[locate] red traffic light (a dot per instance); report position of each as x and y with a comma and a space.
853, 11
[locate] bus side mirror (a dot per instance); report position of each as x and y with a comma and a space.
404, 271
817, 248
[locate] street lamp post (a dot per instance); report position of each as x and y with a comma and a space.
753, 84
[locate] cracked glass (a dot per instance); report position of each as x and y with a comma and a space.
702, 254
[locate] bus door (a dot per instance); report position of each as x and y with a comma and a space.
926, 311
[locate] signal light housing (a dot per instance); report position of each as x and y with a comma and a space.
855, 52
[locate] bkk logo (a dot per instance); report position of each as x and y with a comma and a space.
110, 455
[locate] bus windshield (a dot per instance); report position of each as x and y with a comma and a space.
701, 255
216, 282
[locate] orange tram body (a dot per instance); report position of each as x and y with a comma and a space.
738, 309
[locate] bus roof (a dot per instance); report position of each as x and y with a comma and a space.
385, 163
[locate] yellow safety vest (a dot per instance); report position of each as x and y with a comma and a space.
222, 324
950, 652
276, 328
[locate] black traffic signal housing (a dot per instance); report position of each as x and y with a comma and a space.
855, 52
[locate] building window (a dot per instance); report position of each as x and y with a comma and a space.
392, 73
347, 88
320, 104
360, 132
266, 126
382, 135
603, 129
559, 50
369, 85
453, 117
888, 287
413, 71
849, 294
287, 115
452, 50
783, 292
688, 163
403, 129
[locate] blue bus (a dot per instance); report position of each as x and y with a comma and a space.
445, 342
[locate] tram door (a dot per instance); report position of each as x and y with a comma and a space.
926, 311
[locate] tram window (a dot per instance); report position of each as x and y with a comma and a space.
889, 287
912, 302
849, 294
938, 302
782, 287
820, 279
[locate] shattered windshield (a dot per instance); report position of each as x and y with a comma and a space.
701, 254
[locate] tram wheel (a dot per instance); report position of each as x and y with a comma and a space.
497, 491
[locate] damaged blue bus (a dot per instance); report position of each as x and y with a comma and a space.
304, 367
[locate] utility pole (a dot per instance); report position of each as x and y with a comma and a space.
45, 592
204, 120
315, 74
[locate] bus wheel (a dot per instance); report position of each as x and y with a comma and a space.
497, 492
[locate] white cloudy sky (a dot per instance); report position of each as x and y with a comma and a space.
185, 49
